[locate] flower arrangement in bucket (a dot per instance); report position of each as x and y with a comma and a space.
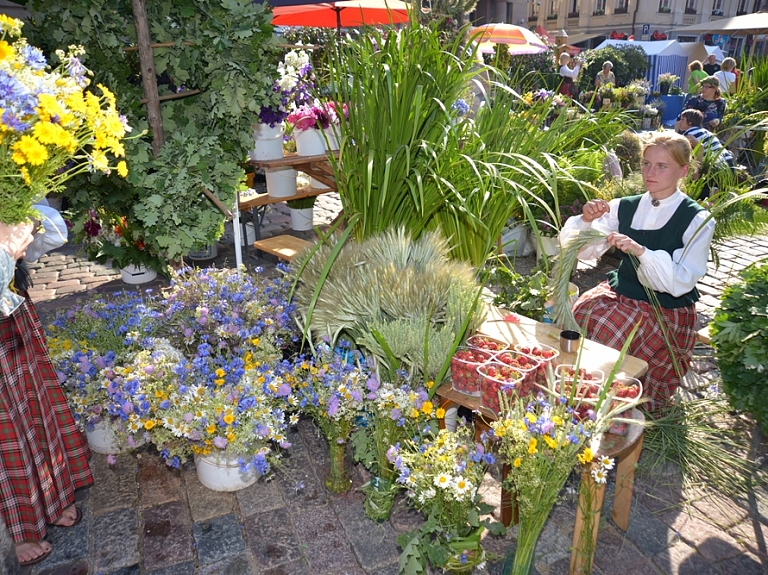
330, 388
310, 123
53, 128
665, 81
442, 474
394, 411
650, 116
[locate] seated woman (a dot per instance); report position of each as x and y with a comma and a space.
667, 236
568, 86
709, 102
606, 75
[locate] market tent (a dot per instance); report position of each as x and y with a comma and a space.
695, 51
719, 55
664, 56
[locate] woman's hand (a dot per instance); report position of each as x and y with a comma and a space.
625, 244
16, 239
594, 209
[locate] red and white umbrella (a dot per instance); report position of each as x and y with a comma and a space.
520, 40
343, 13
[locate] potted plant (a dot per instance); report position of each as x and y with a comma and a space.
650, 115
308, 123
665, 80
302, 213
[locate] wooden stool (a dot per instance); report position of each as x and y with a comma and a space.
703, 335
626, 451
284, 247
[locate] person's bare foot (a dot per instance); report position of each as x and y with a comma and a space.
69, 517
31, 552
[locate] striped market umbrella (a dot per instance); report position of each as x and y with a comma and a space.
343, 13
520, 40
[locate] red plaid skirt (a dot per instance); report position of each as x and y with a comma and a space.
44, 455
609, 318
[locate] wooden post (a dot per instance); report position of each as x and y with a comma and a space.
148, 75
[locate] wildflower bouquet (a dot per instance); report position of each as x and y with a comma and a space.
667, 78
52, 129
442, 476
237, 314
649, 111
294, 84
212, 405
395, 411
330, 388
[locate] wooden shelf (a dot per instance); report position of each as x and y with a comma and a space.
293, 160
258, 200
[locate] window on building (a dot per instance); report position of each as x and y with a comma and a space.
575, 7
717, 8
600, 6
553, 6
742, 7
622, 6
664, 6
690, 6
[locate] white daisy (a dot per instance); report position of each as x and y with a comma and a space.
606, 462
443, 480
461, 486
598, 474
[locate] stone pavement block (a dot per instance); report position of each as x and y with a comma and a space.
649, 534
295, 568
94, 281
681, 559
331, 554
713, 544
316, 521
204, 503
77, 568
75, 288
159, 482
374, 544
117, 540
744, 564
61, 284
271, 539
552, 546
43, 277
186, 568
615, 554
720, 510
114, 486
404, 518
645, 568
299, 485
40, 295
72, 273
751, 534
230, 566
259, 497
659, 495
167, 535
218, 539
69, 543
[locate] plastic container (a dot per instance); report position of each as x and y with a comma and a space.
464, 374
588, 381
544, 353
525, 364
624, 390
498, 377
486, 343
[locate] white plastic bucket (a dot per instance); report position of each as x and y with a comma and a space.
281, 182
268, 142
103, 439
309, 142
250, 235
139, 274
301, 219
205, 253
333, 141
221, 473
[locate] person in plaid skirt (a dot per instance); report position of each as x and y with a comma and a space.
664, 238
43, 456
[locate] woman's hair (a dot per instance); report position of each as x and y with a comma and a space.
728, 64
676, 146
609, 64
564, 57
695, 65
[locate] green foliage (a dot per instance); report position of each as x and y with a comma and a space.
302, 203
225, 49
523, 294
629, 62
531, 72
629, 149
740, 338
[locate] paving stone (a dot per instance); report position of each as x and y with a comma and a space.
299, 484
681, 559
167, 535
329, 554
744, 564
649, 534
70, 544
130, 570
713, 544
271, 539
158, 482
118, 540
259, 497
720, 510
186, 568
614, 553
218, 539
315, 521
115, 485
552, 546
660, 496
404, 518
374, 543
230, 566
42, 294
295, 568
205, 503
74, 288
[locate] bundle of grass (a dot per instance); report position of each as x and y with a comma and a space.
402, 301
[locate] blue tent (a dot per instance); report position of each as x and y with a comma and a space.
663, 56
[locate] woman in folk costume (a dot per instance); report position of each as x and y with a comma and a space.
43, 456
668, 235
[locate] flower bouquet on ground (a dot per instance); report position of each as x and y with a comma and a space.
330, 388
394, 412
442, 475
52, 128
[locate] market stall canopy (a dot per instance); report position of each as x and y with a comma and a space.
344, 13
579, 38
520, 40
748, 24
666, 56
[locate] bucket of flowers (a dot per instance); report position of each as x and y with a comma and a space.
665, 81
89, 342
442, 474
394, 411
650, 116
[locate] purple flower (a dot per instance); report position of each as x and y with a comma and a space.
149, 369
333, 406
284, 390
220, 442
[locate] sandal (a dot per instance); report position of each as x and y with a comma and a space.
78, 518
39, 558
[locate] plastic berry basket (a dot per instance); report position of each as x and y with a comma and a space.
464, 375
498, 377
525, 364
540, 351
486, 343
588, 382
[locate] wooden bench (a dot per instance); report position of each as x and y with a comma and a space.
284, 247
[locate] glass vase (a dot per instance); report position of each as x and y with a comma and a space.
338, 480
379, 498
466, 552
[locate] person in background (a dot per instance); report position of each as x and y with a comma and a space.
712, 155
710, 103
726, 75
568, 75
710, 65
605, 76
43, 456
663, 237
696, 76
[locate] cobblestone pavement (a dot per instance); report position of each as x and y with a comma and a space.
144, 518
